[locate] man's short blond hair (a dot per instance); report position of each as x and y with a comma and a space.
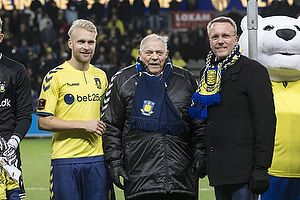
82, 23
222, 19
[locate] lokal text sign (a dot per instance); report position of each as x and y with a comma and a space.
185, 20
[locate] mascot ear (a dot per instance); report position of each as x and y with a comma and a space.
244, 22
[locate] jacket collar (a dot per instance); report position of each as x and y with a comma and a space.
233, 71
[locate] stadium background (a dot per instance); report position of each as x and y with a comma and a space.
187, 25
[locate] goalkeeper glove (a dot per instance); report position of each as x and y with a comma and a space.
12, 171
3, 145
10, 152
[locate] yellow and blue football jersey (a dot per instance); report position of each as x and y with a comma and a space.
72, 94
286, 161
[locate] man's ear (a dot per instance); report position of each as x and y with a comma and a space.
70, 43
1, 37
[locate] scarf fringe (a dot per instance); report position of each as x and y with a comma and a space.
166, 128
198, 113
206, 100
144, 124
174, 128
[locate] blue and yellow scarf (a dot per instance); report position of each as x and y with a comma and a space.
207, 93
152, 108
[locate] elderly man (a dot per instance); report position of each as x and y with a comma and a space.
150, 140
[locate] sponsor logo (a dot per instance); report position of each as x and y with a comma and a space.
5, 103
73, 84
89, 97
69, 98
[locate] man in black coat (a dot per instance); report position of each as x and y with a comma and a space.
235, 96
150, 140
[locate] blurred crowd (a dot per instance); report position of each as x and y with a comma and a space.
37, 36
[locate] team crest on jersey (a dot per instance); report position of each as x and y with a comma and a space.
2, 86
98, 83
41, 104
147, 109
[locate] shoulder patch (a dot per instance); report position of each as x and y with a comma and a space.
41, 104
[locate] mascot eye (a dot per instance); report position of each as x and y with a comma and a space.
297, 27
268, 28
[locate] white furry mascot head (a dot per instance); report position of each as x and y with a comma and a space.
278, 46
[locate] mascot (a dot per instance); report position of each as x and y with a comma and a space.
279, 51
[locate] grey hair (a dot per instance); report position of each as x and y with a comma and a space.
163, 39
82, 23
222, 19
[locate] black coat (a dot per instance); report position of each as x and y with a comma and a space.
240, 130
154, 163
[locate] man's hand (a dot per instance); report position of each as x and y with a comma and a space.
115, 174
199, 166
95, 126
259, 181
10, 152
